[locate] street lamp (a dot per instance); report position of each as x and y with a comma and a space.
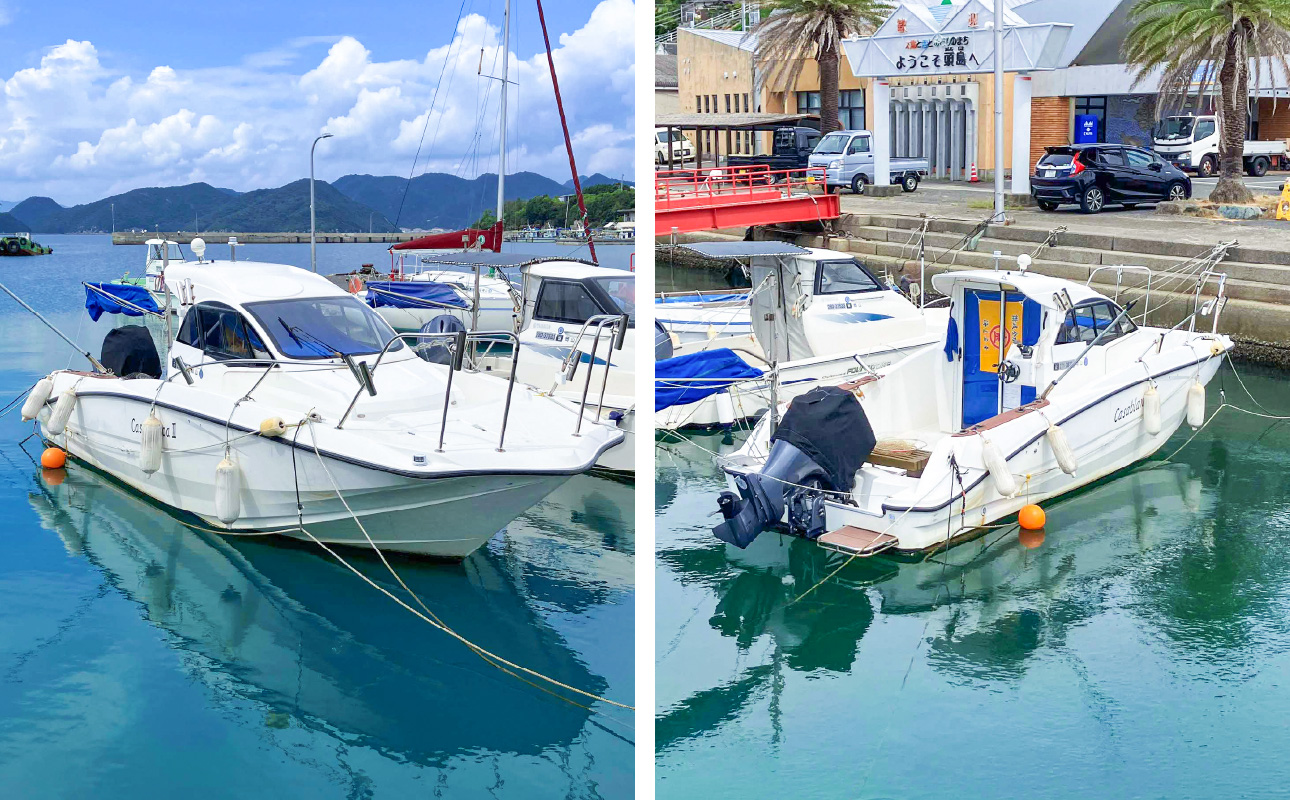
113, 205
369, 223
313, 254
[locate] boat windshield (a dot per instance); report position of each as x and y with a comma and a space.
623, 292
322, 327
833, 144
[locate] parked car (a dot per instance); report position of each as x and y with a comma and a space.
682, 150
791, 148
1096, 175
847, 157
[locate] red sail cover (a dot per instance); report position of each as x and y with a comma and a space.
472, 238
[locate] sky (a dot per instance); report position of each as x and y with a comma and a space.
233, 93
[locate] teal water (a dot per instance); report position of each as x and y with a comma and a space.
140, 658
1142, 650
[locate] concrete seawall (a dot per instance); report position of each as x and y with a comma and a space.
128, 237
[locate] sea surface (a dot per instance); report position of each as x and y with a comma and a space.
142, 659
1141, 649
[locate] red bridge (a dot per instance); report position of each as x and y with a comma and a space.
688, 200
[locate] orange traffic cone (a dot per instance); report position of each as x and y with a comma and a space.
972, 176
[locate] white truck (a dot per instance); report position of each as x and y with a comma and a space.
682, 150
1191, 144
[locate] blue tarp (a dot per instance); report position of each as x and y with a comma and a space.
100, 299
415, 294
688, 379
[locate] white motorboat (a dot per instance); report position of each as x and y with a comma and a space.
815, 316
287, 406
577, 339
157, 254
477, 295
1049, 387
703, 315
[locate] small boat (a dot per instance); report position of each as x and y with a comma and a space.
21, 244
1040, 386
158, 253
287, 406
812, 315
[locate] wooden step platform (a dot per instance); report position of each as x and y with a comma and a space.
857, 542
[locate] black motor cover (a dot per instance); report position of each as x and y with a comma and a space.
439, 350
820, 444
129, 350
662, 343
829, 425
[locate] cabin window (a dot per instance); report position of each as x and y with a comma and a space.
844, 277
622, 291
322, 327
1084, 322
565, 301
221, 333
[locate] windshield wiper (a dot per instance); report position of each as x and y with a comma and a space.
328, 350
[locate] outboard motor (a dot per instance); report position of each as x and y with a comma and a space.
437, 351
819, 446
662, 342
129, 352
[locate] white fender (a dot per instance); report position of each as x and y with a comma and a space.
62, 412
37, 398
1004, 482
725, 408
1195, 405
1062, 449
228, 491
1151, 410
150, 444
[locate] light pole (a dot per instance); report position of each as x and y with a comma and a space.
998, 111
369, 222
313, 254
113, 205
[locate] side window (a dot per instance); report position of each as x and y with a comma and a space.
1138, 158
860, 144
221, 333
563, 301
1111, 157
1204, 129
1084, 322
811, 140
843, 277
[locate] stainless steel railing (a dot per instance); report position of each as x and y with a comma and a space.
617, 325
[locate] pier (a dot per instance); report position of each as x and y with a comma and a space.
220, 237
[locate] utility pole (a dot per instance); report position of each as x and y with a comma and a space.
113, 205
998, 109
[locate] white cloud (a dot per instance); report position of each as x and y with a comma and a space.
76, 129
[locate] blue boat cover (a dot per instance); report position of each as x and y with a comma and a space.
101, 298
706, 298
689, 379
413, 294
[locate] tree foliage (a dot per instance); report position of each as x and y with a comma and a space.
1199, 45
604, 201
798, 30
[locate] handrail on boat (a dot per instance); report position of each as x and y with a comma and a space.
461, 337
617, 324
1119, 279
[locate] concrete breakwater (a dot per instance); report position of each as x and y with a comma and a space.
130, 237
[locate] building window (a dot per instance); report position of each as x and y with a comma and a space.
808, 102
698, 104
1096, 107
727, 104
745, 102
705, 104
851, 109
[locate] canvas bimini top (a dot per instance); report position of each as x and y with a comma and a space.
744, 249
1040, 288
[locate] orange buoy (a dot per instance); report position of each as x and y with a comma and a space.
1031, 517
53, 458
1031, 539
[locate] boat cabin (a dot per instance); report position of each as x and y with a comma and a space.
558, 297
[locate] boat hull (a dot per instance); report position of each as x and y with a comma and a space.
444, 517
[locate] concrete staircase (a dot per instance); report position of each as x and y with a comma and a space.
1258, 286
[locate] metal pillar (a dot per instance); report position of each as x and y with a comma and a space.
956, 140
1021, 88
881, 132
998, 111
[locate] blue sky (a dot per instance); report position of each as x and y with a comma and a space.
154, 93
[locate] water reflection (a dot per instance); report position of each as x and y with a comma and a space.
295, 631
991, 604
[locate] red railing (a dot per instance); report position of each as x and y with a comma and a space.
718, 197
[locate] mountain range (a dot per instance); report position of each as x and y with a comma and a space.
351, 203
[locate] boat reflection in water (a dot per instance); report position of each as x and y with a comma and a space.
991, 603
286, 626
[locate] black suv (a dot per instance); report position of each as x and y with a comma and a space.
1095, 175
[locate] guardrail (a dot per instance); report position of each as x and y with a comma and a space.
617, 324
731, 184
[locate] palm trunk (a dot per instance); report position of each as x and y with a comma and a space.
1234, 106
829, 90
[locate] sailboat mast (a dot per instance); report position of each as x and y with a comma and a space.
568, 143
501, 158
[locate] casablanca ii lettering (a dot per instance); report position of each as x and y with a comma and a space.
1122, 414
167, 432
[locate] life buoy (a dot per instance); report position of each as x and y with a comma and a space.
355, 284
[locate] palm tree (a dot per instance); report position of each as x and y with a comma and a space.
797, 30
1196, 43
